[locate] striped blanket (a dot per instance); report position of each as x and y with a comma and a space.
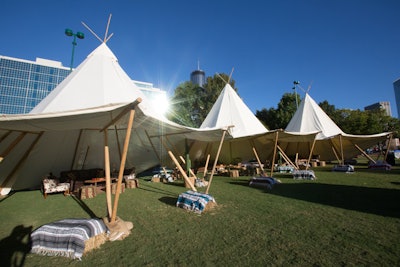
65, 237
194, 201
266, 182
304, 174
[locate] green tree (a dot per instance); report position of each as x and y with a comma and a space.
279, 118
191, 104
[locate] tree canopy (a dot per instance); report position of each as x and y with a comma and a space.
191, 103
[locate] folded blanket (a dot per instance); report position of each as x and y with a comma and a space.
267, 182
304, 174
194, 201
66, 237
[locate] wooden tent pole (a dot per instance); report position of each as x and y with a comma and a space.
122, 165
216, 160
190, 169
365, 154
5, 135
274, 154
341, 148
23, 158
76, 149
258, 160
336, 155
152, 145
286, 158
181, 171
118, 143
107, 173
311, 151
388, 146
206, 166
12, 145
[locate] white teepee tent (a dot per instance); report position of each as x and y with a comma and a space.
332, 143
67, 129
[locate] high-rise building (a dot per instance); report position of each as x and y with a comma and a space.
198, 77
396, 86
384, 105
24, 83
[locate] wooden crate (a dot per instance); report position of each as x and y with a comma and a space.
132, 183
86, 192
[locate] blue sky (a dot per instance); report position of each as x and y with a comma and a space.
347, 50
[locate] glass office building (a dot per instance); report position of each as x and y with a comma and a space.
396, 87
384, 105
24, 83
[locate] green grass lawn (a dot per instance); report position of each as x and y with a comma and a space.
337, 220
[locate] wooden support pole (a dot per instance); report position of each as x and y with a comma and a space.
190, 169
274, 154
206, 166
365, 154
152, 145
216, 160
122, 165
76, 149
107, 173
336, 155
258, 159
182, 171
341, 148
11, 146
388, 146
286, 158
311, 151
22, 159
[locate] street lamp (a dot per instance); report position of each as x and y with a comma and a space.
295, 93
80, 35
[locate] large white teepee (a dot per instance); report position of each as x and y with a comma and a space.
310, 117
67, 129
331, 142
230, 110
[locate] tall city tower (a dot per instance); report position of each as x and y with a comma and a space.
198, 76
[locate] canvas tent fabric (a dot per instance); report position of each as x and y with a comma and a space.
247, 132
331, 142
230, 110
66, 130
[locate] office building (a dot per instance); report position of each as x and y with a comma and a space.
385, 105
396, 87
24, 83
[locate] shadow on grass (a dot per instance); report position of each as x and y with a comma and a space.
169, 200
84, 207
153, 189
379, 201
13, 248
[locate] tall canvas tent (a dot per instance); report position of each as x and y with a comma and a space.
67, 129
229, 111
250, 138
331, 142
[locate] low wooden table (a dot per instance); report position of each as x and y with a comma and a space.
98, 180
